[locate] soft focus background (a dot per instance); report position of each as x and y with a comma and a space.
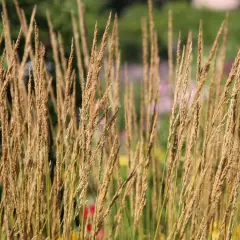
186, 15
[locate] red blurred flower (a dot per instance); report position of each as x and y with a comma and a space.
85, 212
89, 210
89, 227
92, 209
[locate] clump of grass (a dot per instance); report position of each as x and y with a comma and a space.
49, 171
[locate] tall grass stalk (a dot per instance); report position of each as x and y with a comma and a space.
62, 171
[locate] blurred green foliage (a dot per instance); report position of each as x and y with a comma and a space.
185, 18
